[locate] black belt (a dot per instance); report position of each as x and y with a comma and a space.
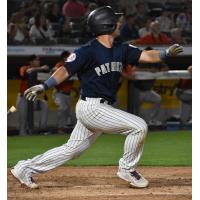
102, 100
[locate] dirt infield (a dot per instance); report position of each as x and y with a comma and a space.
92, 183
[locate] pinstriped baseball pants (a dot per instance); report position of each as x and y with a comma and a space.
93, 118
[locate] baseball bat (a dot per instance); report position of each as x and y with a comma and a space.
12, 109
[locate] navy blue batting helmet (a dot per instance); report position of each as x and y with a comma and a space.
103, 20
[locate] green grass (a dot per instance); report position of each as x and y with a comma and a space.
161, 149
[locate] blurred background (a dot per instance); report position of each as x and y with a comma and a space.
40, 34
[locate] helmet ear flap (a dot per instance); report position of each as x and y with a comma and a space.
112, 28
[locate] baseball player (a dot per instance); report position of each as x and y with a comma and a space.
62, 98
98, 65
28, 74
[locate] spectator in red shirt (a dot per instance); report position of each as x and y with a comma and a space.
154, 37
73, 8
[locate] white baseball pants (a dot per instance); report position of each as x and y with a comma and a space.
94, 118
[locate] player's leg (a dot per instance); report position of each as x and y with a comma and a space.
98, 116
113, 120
135, 130
81, 138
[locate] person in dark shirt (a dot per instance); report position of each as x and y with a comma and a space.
128, 30
28, 75
53, 14
144, 89
98, 65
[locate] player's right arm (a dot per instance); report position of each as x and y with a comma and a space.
57, 77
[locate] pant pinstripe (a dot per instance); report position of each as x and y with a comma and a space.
93, 119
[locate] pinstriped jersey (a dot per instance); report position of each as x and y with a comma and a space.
99, 68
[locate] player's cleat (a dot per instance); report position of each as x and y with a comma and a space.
25, 180
134, 178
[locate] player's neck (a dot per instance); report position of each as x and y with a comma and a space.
106, 40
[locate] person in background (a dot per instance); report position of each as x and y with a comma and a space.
41, 31
128, 30
65, 28
144, 89
62, 98
184, 21
91, 6
17, 29
141, 14
15, 35
73, 8
145, 30
53, 15
176, 36
28, 74
154, 37
184, 94
166, 23
127, 6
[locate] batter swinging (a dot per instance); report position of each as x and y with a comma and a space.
98, 65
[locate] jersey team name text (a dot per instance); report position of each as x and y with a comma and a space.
109, 67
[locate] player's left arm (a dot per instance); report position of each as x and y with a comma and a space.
71, 66
152, 56
57, 77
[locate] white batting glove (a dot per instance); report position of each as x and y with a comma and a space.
32, 92
174, 50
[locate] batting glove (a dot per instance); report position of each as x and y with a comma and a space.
174, 50
32, 92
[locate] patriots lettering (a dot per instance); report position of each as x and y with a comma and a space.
109, 67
